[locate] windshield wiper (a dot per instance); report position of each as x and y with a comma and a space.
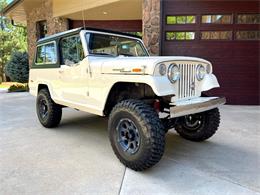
125, 54
102, 54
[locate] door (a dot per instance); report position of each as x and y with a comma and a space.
223, 32
73, 72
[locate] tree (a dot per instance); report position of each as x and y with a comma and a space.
11, 39
17, 68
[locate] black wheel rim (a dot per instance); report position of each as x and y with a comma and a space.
43, 108
194, 122
128, 136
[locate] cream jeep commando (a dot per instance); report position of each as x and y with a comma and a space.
111, 74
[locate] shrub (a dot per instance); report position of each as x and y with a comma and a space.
18, 88
17, 69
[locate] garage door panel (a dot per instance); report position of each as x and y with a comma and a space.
237, 97
180, 7
235, 62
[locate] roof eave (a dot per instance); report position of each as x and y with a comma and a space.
10, 6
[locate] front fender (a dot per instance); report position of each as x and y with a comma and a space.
161, 86
209, 82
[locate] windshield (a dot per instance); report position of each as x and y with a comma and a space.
102, 44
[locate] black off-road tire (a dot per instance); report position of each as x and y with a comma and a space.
151, 131
54, 111
209, 126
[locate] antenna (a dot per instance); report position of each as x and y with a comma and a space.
83, 15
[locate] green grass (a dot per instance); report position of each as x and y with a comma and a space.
3, 86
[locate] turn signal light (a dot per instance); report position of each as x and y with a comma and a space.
137, 70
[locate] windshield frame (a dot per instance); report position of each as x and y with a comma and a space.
86, 44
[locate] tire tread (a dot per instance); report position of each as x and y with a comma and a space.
149, 119
55, 111
210, 128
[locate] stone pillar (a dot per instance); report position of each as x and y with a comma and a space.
54, 25
151, 25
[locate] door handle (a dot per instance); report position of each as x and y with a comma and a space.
61, 71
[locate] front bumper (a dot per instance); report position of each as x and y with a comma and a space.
195, 105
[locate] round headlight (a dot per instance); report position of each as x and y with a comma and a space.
162, 69
201, 72
173, 73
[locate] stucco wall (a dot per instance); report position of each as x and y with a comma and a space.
151, 25
54, 25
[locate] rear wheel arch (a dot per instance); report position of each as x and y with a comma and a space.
45, 86
42, 86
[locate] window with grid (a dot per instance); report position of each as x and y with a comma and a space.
180, 36
216, 35
216, 19
248, 18
189, 19
247, 35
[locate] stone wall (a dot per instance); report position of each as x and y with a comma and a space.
54, 25
151, 25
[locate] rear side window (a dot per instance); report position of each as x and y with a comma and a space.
46, 54
71, 50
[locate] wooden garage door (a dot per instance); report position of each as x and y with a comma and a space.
223, 32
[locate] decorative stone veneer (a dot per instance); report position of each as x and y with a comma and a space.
151, 25
54, 25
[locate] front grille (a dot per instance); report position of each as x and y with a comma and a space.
186, 87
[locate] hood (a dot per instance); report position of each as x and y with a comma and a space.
126, 65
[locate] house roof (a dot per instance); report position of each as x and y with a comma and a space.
15, 11
10, 6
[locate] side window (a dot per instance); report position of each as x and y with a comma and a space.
50, 53
71, 50
40, 54
46, 54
